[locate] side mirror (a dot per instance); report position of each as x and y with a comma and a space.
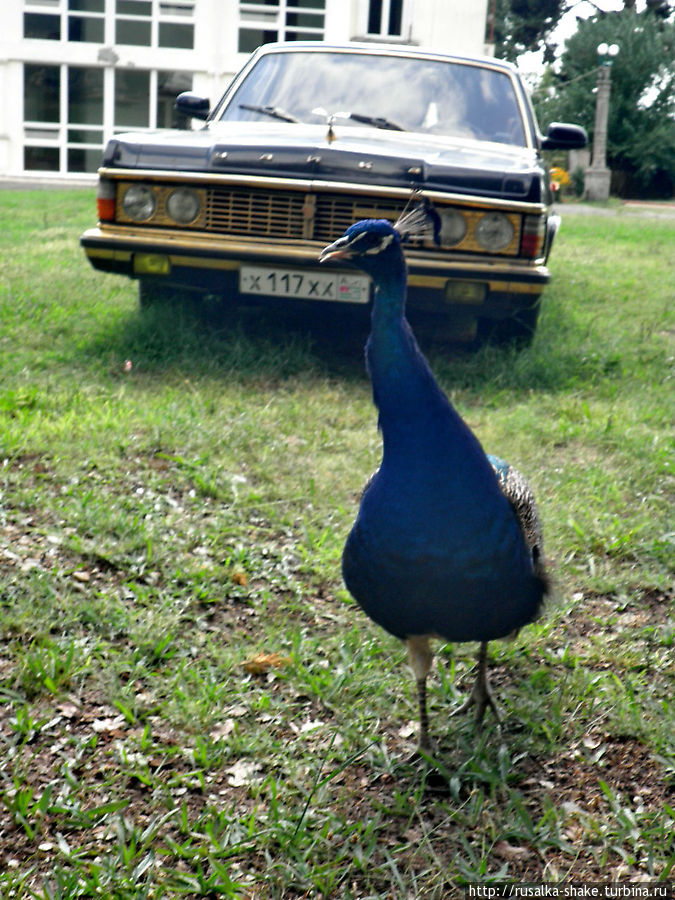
191, 105
561, 136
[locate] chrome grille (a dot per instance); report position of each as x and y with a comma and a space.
291, 214
336, 212
319, 216
276, 214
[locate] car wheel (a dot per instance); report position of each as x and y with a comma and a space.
518, 328
152, 293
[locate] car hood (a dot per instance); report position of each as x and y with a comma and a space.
348, 154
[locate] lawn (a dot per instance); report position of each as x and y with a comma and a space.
191, 705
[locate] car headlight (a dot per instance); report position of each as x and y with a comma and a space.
453, 227
183, 205
494, 231
139, 203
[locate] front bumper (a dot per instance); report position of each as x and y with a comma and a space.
486, 287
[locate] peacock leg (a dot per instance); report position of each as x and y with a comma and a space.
481, 695
420, 658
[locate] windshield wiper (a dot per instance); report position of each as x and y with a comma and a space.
272, 111
375, 121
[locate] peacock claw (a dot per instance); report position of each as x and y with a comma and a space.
481, 695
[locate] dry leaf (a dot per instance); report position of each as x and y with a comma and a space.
115, 724
223, 730
69, 709
263, 662
306, 727
409, 730
243, 773
508, 851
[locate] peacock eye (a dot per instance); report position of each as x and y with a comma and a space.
370, 243
365, 242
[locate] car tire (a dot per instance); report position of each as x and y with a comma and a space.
156, 293
518, 328
150, 293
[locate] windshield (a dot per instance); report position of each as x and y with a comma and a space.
422, 95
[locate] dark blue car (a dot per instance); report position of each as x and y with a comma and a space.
308, 139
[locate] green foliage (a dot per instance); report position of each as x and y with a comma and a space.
641, 128
522, 25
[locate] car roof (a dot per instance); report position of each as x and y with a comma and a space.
384, 49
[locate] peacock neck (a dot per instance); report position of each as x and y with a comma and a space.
404, 389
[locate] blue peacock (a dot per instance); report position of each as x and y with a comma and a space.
447, 542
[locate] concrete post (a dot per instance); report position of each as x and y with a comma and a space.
597, 176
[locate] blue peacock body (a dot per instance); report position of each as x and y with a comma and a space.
438, 548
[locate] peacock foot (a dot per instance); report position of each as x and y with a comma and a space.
481, 695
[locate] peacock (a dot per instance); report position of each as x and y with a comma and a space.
447, 542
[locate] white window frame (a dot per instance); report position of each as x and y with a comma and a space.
55, 134
172, 12
60, 8
383, 33
255, 16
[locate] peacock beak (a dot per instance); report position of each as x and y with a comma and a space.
339, 249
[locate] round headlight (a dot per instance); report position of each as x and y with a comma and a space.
139, 202
494, 231
183, 205
453, 227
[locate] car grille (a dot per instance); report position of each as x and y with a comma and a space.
335, 213
255, 213
291, 214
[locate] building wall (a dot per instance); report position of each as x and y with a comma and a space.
63, 98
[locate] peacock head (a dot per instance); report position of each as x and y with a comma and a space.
374, 245
369, 244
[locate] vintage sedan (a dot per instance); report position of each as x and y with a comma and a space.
309, 138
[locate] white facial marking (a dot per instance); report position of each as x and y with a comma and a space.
384, 243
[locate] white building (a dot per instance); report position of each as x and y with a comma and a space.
74, 72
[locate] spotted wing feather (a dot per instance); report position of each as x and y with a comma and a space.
518, 492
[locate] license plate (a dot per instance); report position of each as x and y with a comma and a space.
334, 287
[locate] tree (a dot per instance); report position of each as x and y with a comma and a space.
516, 26
641, 127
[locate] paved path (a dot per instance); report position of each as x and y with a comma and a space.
659, 209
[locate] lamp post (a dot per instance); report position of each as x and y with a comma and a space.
597, 176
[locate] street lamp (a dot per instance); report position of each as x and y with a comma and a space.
597, 176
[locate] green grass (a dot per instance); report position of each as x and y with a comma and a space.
162, 526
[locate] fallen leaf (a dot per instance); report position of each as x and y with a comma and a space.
263, 662
243, 773
69, 709
223, 730
306, 727
509, 851
408, 730
113, 724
